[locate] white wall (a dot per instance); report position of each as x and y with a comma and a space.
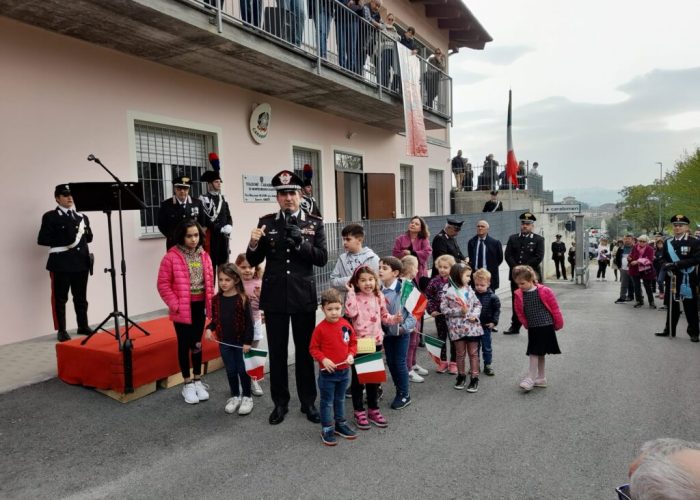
61, 99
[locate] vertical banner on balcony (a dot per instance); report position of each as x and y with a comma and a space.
416, 140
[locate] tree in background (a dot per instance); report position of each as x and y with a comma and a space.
681, 188
640, 207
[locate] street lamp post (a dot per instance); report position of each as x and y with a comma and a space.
661, 180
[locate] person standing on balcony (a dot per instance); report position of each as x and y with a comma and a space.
389, 59
521, 175
322, 21
292, 242
488, 176
347, 26
437, 65
297, 9
368, 31
250, 11
408, 40
458, 170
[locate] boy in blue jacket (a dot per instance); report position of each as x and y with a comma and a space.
490, 313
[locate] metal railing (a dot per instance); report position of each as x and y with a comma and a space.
492, 176
336, 36
381, 234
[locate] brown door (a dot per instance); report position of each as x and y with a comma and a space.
380, 191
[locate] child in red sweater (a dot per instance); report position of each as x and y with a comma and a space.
334, 346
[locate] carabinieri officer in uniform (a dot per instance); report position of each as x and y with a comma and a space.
218, 219
681, 257
67, 233
292, 242
523, 248
178, 208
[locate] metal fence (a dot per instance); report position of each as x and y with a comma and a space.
380, 235
338, 37
492, 176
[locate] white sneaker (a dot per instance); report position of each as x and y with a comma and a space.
420, 370
414, 377
232, 404
527, 384
201, 389
190, 393
246, 406
255, 388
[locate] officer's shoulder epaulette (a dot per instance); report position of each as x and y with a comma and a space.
315, 217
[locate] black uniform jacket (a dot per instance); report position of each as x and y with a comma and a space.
558, 250
688, 251
288, 282
172, 212
60, 230
527, 251
443, 244
219, 248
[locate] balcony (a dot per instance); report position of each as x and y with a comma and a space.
264, 48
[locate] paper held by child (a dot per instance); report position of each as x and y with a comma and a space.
366, 345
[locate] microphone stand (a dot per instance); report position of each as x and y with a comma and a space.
125, 345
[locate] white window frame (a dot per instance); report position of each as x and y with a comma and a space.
406, 197
436, 182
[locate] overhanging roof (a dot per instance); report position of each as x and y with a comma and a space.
464, 28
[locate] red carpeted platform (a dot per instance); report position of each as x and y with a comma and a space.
99, 363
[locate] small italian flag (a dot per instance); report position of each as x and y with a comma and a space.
434, 346
370, 368
414, 301
255, 363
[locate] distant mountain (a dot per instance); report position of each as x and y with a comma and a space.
593, 196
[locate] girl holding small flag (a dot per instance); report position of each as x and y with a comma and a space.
434, 292
252, 281
408, 274
462, 309
366, 307
232, 326
538, 311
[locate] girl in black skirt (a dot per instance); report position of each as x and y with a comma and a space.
538, 311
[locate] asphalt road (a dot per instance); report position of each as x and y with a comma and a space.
614, 387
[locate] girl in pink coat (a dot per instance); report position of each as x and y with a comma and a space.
186, 285
538, 311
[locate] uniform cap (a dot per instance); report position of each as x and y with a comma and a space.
182, 181
210, 176
527, 217
286, 181
455, 223
494, 193
558, 236
62, 189
680, 219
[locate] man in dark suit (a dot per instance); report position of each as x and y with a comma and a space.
559, 256
683, 267
178, 208
67, 233
292, 242
523, 248
485, 252
445, 242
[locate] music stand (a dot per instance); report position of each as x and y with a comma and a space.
107, 197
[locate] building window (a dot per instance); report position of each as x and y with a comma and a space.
311, 157
406, 190
435, 186
163, 153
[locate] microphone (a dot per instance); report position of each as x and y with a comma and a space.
92, 157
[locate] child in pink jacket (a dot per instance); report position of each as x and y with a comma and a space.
538, 311
186, 285
366, 307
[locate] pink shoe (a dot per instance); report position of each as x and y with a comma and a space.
376, 417
361, 420
540, 382
453, 368
443, 367
527, 384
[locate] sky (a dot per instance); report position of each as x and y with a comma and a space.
603, 90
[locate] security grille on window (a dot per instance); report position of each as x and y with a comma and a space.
406, 189
163, 153
309, 157
435, 192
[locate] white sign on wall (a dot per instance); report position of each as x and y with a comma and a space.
258, 189
571, 208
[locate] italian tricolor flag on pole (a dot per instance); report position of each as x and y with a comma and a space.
434, 346
370, 369
255, 363
511, 162
414, 301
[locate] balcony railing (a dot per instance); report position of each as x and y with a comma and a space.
337, 37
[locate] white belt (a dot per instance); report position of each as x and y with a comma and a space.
78, 237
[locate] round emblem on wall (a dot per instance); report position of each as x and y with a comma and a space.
260, 122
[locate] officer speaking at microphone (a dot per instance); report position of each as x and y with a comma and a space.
523, 249
292, 242
67, 233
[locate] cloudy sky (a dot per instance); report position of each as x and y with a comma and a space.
602, 89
